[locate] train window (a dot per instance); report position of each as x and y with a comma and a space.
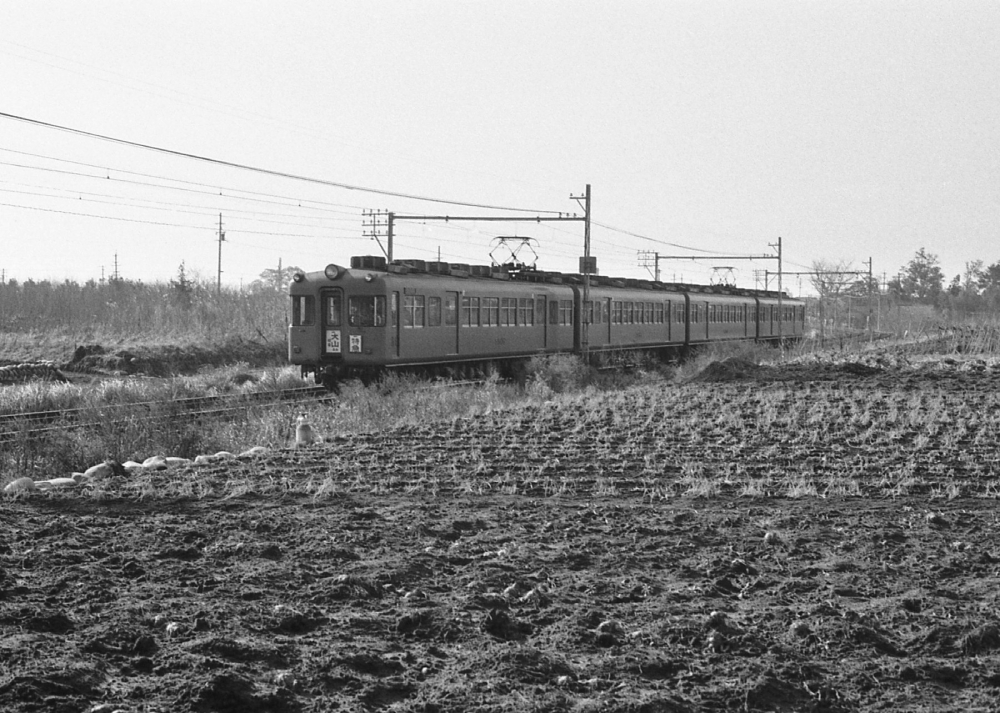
540, 310
303, 310
433, 311
606, 312
659, 313
553, 311
525, 312
566, 312
413, 310
616, 313
490, 313
366, 311
470, 311
508, 311
649, 313
628, 317
588, 312
450, 310
394, 310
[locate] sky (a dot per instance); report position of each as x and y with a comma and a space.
707, 130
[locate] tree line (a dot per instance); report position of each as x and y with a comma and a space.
919, 281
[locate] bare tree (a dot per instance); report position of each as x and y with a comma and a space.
832, 280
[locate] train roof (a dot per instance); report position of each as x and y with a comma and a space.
526, 273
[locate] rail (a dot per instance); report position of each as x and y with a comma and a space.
36, 423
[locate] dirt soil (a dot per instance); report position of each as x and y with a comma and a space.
544, 574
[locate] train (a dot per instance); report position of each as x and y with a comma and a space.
450, 318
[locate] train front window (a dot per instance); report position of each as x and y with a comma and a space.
333, 310
366, 311
303, 310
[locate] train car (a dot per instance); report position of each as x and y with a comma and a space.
779, 318
633, 314
718, 317
440, 317
352, 322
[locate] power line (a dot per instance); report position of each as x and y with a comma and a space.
171, 225
183, 209
265, 171
215, 189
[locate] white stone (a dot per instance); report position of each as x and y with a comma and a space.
255, 451
21, 485
96, 472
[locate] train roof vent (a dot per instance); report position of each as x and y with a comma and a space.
397, 269
555, 278
481, 270
368, 262
498, 274
415, 265
439, 268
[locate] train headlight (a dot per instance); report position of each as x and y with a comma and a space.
298, 277
332, 272
369, 277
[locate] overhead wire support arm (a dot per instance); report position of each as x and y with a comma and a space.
393, 217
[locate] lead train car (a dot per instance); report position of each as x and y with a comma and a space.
409, 314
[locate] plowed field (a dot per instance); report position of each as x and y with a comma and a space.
821, 537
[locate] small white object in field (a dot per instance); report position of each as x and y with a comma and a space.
99, 471
155, 463
304, 435
21, 485
55, 483
204, 460
255, 451
772, 538
224, 455
173, 461
173, 628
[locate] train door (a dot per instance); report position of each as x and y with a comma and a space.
542, 319
394, 324
451, 322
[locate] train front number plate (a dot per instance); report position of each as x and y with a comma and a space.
333, 341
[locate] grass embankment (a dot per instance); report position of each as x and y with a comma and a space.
793, 408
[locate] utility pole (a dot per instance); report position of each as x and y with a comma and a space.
647, 256
218, 278
781, 314
374, 229
587, 266
871, 333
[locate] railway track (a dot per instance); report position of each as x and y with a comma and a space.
40, 423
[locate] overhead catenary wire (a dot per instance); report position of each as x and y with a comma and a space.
266, 171
162, 223
204, 212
